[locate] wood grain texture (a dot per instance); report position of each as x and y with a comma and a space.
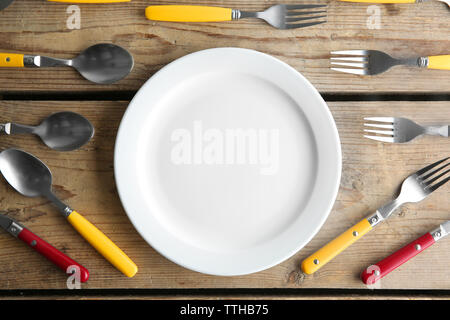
39, 27
231, 297
372, 173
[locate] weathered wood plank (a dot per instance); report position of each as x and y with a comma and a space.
39, 27
232, 297
84, 178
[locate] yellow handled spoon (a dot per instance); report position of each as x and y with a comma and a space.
6, 3
32, 178
102, 63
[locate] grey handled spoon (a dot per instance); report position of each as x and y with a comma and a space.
32, 178
62, 131
102, 63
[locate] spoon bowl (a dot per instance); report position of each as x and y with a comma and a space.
32, 178
25, 173
5, 3
104, 63
61, 131
65, 131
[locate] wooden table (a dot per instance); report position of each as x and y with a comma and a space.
371, 173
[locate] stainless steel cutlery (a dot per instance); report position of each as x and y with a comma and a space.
372, 62
32, 178
62, 131
415, 188
400, 130
101, 63
5, 3
280, 16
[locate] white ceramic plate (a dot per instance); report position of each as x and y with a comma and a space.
227, 161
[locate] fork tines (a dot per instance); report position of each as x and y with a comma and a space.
387, 126
432, 180
355, 60
294, 15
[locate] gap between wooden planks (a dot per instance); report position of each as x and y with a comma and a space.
407, 30
372, 172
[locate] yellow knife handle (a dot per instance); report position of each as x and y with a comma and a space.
11, 60
90, 1
439, 62
103, 244
182, 13
321, 257
381, 1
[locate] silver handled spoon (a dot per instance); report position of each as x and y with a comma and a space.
102, 63
32, 178
62, 131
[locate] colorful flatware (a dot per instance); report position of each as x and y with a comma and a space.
377, 271
62, 131
102, 63
279, 16
372, 62
32, 178
47, 250
414, 188
400, 130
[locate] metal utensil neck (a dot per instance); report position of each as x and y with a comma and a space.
14, 229
422, 62
439, 233
437, 130
386, 210
414, 62
63, 208
238, 14
31, 61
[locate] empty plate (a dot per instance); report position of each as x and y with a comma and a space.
227, 161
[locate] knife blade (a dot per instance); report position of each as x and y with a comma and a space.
47, 250
377, 271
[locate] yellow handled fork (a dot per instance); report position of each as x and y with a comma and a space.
372, 62
280, 16
415, 188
